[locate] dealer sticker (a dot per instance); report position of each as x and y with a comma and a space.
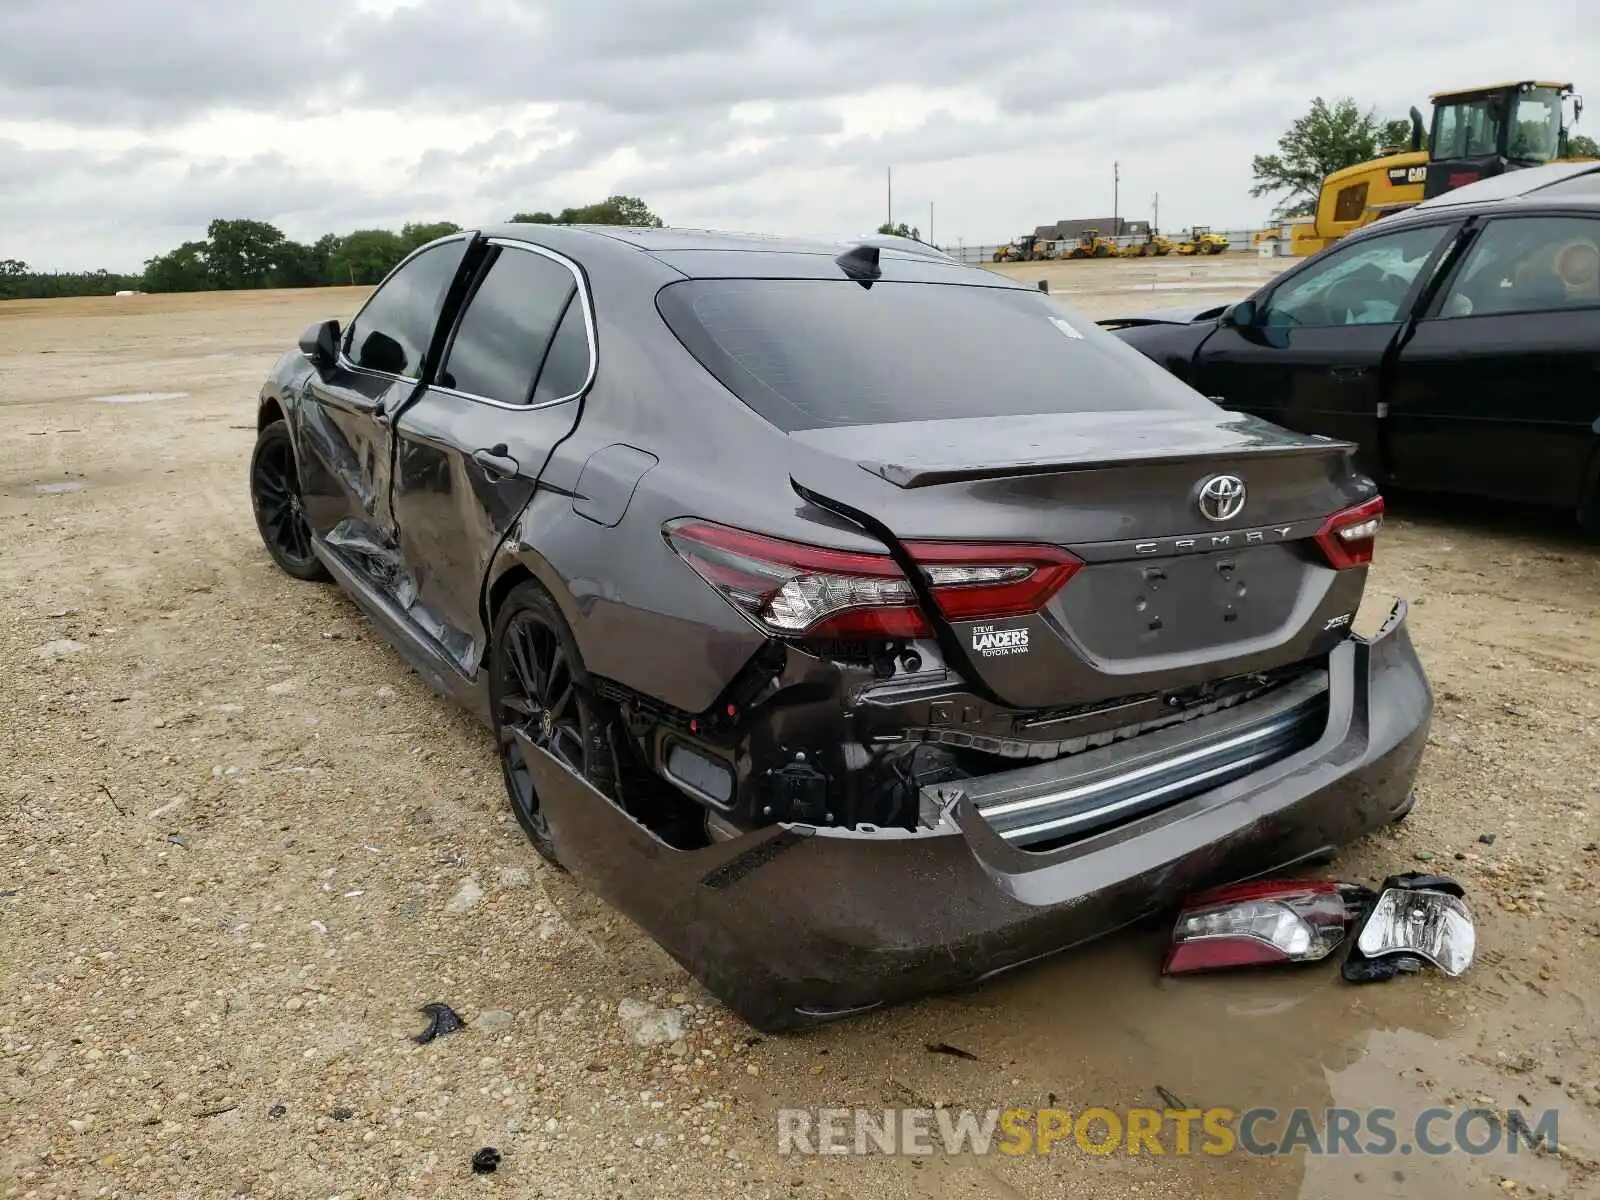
991, 642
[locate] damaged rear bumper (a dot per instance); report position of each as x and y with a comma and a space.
791, 925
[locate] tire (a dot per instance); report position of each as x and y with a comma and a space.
275, 499
1589, 506
538, 683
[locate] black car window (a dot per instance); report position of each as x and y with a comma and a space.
806, 353
1528, 264
566, 367
1363, 283
391, 334
504, 334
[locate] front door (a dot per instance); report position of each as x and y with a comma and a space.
1313, 357
470, 448
1497, 393
343, 434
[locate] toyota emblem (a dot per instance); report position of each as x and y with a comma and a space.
1221, 498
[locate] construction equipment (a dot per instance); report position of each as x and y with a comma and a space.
1202, 241
1092, 245
1475, 133
1152, 245
1028, 248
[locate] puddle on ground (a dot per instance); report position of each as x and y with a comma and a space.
1438, 1091
138, 397
67, 485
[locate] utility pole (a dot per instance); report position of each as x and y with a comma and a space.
889, 181
1155, 219
930, 222
1116, 200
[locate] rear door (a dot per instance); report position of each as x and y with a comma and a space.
1312, 360
343, 434
470, 449
1497, 392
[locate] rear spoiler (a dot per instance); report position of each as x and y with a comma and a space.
915, 475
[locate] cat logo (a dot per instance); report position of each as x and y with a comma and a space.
991, 642
1405, 175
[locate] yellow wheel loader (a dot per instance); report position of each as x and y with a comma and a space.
1092, 245
1475, 133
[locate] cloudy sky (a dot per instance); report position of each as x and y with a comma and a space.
125, 125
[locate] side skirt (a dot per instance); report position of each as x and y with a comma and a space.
421, 651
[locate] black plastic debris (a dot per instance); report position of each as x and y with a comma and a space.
442, 1020
1168, 1098
276, 1111
952, 1051
1486, 838
486, 1161
342, 1114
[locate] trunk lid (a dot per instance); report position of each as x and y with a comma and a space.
1169, 596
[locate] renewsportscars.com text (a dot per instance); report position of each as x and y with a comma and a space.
1175, 1131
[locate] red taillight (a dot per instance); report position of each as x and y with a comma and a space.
1258, 923
789, 589
1347, 538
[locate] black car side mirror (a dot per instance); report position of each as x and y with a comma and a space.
320, 342
1241, 315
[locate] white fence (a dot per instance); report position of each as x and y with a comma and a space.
1239, 240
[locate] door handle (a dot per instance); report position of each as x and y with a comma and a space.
1346, 374
496, 461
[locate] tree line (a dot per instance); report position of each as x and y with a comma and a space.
238, 254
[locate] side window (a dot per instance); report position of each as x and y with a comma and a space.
1363, 284
391, 334
508, 326
566, 367
1528, 264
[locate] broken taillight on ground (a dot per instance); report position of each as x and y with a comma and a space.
1412, 920
1256, 924
788, 589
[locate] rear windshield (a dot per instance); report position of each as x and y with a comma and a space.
807, 353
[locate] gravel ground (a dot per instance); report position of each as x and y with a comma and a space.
241, 845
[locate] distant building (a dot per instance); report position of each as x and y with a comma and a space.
1070, 231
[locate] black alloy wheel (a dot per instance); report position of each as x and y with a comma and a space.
538, 686
275, 497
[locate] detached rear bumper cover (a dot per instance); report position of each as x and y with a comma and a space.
792, 925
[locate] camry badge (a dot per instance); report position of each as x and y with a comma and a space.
1221, 498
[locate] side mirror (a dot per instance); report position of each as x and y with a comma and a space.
320, 342
1241, 315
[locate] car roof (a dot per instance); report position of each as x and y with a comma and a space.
1529, 190
710, 253
1512, 185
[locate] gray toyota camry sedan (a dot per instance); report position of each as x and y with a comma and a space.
859, 623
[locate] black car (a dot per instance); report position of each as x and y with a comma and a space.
1456, 343
856, 621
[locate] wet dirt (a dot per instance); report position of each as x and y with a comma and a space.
235, 832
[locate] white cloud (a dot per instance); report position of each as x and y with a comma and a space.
128, 124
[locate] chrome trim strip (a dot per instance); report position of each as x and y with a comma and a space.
1283, 725
1097, 816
